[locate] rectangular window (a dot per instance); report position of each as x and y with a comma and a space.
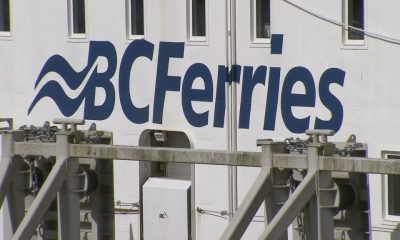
135, 18
393, 191
261, 21
77, 18
5, 16
197, 19
354, 19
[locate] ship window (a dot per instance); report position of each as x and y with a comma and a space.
261, 21
198, 23
77, 18
263, 26
393, 193
4, 15
354, 19
135, 18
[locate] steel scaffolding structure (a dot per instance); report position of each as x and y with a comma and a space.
315, 195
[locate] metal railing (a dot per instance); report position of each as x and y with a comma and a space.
314, 196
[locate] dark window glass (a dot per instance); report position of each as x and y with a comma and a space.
199, 18
78, 14
263, 19
5, 15
356, 19
137, 19
394, 191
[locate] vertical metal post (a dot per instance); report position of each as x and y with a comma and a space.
68, 198
5, 163
14, 206
232, 103
319, 214
12, 181
267, 163
277, 178
103, 202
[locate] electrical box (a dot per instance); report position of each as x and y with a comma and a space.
166, 209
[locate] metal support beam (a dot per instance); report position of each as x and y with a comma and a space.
103, 202
5, 164
10, 184
14, 206
256, 195
68, 196
319, 208
279, 195
43, 200
249, 159
291, 208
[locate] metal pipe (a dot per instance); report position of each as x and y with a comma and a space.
233, 95
41, 203
251, 203
232, 103
291, 208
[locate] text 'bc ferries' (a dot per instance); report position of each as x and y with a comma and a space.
278, 94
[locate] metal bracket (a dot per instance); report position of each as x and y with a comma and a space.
10, 123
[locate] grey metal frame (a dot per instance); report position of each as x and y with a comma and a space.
314, 195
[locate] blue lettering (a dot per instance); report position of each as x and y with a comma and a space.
252, 76
189, 94
164, 82
101, 80
330, 76
250, 80
220, 105
289, 99
138, 48
271, 104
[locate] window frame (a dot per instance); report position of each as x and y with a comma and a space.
254, 40
71, 34
388, 218
197, 40
7, 34
345, 28
129, 34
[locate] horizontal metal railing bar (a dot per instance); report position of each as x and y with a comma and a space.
174, 155
35, 148
360, 165
177, 155
215, 157
293, 161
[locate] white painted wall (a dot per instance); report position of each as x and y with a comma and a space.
369, 95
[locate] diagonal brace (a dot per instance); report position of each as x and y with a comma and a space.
291, 208
251, 203
41, 203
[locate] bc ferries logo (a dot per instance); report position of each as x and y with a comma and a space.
77, 87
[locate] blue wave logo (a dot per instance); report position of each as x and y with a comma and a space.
80, 85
